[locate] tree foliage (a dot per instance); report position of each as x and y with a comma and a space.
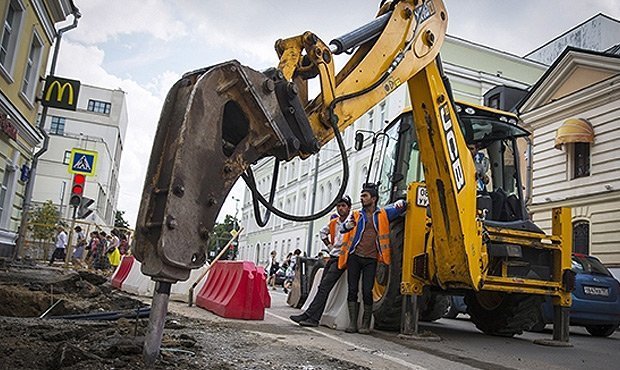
220, 235
119, 220
43, 221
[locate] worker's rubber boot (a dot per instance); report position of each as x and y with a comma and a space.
354, 309
366, 317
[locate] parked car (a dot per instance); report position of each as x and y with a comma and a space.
596, 299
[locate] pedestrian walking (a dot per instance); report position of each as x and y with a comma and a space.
80, 245
332, 238
60, 245
366, 243
273, 268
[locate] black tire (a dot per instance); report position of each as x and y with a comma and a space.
540, 324
503, 314
435, 307
601, 330
387, 307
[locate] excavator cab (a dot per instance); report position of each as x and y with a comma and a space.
492, 138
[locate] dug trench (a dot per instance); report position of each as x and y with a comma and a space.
60, 342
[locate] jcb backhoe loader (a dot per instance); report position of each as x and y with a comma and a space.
219, 120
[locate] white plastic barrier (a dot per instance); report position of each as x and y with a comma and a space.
180, 290
136, 283
336, 313
313, 289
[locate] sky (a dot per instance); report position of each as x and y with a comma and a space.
144, 46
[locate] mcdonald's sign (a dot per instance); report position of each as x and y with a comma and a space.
60, 93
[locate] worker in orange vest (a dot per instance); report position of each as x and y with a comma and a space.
366, 242
332, 238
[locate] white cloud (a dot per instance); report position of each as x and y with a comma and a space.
105, 19
143, 106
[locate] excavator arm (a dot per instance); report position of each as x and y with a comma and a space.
219, 120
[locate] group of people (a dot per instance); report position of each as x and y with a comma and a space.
358, 240
101, 251
285, 270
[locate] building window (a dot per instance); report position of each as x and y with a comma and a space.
10, 32
32, 67
370, 120
58, 125
581, 237
382, 114
3, 191
581, 160
99, 106
67, 157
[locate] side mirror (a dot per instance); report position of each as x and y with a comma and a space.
359, 141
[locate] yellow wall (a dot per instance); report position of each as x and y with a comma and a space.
29, 23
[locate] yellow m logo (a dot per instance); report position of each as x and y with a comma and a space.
60, 91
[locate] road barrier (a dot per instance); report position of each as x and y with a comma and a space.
336, 313
122, 271
137, 283
305, 269
235, 290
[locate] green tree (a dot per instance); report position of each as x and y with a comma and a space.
43, 221
220, 236
119, 220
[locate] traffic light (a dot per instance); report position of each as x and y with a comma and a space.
77, 190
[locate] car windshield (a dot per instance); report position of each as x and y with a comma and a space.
589, 265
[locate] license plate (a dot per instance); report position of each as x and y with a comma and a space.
592, 290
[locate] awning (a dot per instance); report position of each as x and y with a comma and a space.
574, 130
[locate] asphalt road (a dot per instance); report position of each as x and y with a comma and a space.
462, 346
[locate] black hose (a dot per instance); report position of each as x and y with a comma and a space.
248, 177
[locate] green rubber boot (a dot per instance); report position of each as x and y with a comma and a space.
354, 309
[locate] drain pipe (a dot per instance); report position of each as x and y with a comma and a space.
35, 159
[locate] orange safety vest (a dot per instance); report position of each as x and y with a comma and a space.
333, 224
384, 254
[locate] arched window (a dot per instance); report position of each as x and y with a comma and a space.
329, 192
321, 199
581, 236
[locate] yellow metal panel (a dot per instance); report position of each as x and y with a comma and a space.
563, 228
448, 172
415, 237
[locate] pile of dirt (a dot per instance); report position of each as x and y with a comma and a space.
27, 342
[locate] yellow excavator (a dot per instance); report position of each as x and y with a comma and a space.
465, 231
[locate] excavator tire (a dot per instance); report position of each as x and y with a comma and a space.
503, 314
388, 300
387, 288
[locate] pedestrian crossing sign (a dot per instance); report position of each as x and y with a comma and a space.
82, 162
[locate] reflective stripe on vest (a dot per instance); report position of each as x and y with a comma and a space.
382, 223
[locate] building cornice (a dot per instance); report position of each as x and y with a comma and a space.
575, 103
585, 200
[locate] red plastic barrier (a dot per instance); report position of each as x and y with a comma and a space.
122, 271
235, 290
263, 290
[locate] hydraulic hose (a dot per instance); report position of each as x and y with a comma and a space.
248, 177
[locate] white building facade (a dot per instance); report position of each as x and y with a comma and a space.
99, 124
473, 70
573, 114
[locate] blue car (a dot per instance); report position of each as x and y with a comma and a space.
596, 299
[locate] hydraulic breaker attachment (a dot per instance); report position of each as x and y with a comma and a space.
215, 122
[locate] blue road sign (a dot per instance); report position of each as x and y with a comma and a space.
82, 162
